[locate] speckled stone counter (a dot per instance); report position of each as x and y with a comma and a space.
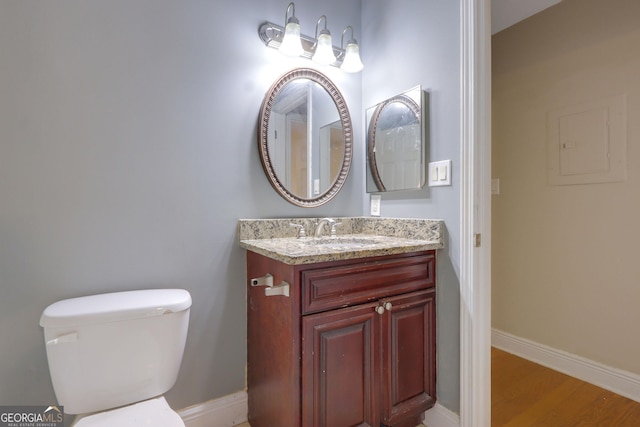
358, 237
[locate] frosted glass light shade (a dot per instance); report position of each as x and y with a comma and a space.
352, 62
324, 50
291, 44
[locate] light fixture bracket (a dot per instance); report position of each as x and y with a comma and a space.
272, 34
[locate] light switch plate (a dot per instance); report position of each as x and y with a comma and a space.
440, 173
495, 186
375, 205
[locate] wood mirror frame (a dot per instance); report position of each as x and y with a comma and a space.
270, 100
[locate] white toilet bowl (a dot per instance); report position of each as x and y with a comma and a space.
153, 412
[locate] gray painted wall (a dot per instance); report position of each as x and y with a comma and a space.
409, 43
128, 152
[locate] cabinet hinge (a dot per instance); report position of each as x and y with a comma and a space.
478, 239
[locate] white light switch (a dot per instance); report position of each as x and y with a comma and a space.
434, 173
440, 173
375, 204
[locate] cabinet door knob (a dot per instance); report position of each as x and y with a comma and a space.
387, 306
380, 309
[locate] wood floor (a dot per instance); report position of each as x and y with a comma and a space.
526, 394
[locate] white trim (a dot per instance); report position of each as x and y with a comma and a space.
475, 214
231, 410
624, 383
226, 411
439, 416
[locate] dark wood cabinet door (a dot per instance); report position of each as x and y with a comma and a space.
408, 357
340, 366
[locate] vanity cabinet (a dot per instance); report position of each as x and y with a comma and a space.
353, 344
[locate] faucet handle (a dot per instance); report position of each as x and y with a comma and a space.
301, 231
333, 228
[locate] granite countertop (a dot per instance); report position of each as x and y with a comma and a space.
358, 237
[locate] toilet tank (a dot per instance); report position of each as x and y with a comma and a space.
115, 349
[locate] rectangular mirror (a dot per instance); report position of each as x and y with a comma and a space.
397, 133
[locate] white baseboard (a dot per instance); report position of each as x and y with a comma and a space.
439, 416
227, 411
624, 383
231, 410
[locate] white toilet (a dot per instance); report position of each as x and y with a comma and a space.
113, 356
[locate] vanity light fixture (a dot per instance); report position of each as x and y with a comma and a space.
351, 62
291, 44
324, 47
320, 48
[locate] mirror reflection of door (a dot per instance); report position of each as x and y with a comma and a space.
331, 153
288, 139
398, 156
297, 155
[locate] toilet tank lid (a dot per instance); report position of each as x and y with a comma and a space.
116, 306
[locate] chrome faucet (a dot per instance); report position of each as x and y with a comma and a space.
320, 226
302, 234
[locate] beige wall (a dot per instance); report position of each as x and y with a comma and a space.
566, 264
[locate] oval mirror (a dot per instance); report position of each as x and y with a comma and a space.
305, 137
396, 138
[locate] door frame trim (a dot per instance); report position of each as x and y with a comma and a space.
475, 268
